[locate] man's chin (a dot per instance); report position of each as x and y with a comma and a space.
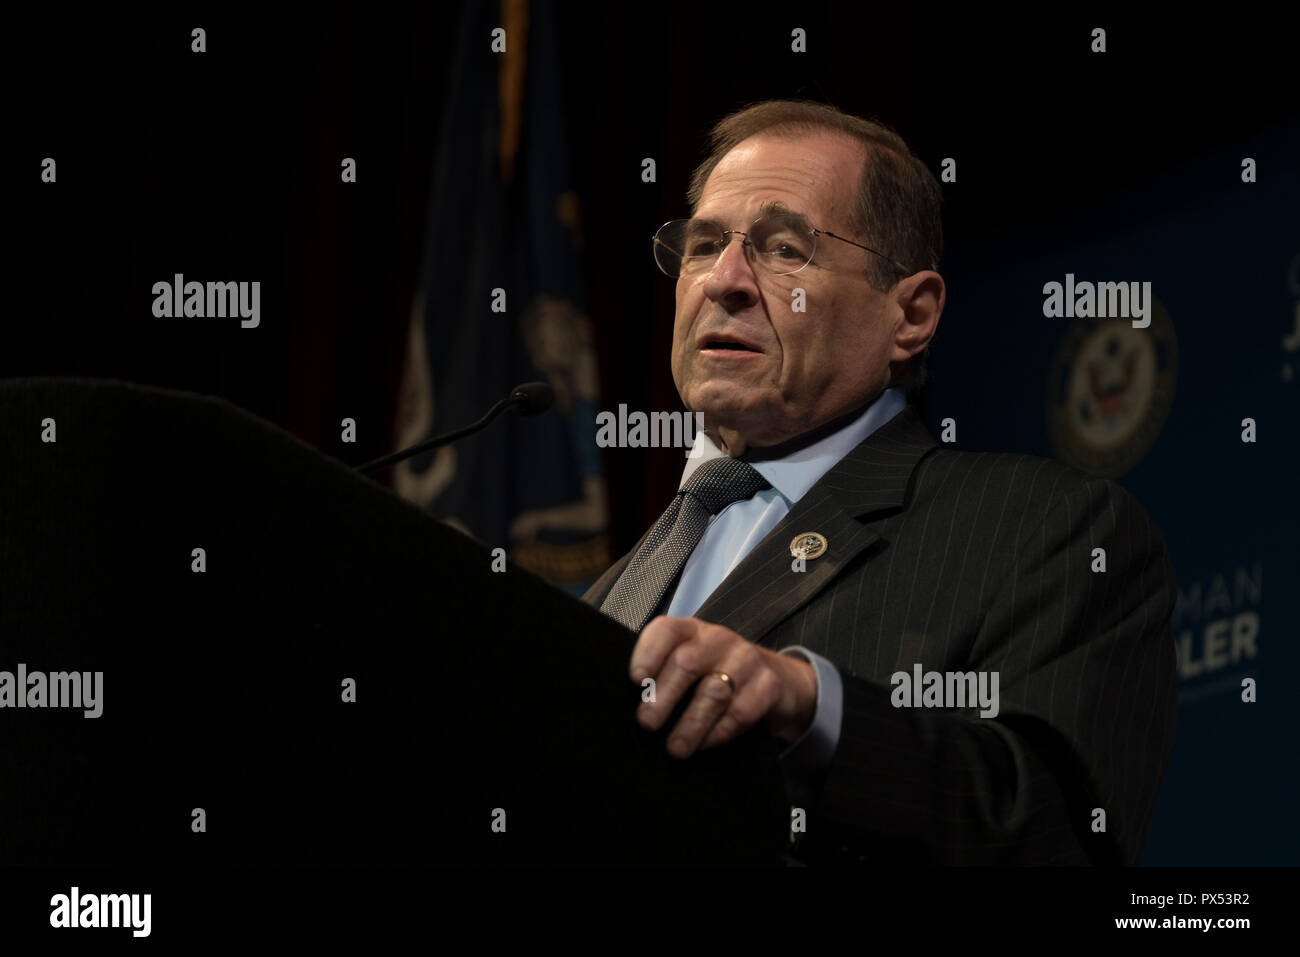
730, 409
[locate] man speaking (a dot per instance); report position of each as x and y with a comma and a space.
966, 656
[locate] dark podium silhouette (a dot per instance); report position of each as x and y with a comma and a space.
223, 689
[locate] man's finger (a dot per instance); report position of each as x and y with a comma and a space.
687, 662
712, 698
656, 642
692, 661
750, 704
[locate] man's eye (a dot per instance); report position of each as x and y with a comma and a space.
782, 245
786, 251
701, 247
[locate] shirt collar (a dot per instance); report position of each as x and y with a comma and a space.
794, 474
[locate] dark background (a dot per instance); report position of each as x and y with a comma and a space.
169, 161
225, 166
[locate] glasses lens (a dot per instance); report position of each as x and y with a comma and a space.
782, 244
779, 244
684, 245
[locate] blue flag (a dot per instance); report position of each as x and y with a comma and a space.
500, 302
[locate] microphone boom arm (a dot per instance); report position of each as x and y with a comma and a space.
532, 397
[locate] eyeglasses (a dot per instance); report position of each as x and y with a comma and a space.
779, 242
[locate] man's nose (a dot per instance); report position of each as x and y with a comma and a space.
732, 281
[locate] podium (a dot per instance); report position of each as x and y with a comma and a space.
336, 678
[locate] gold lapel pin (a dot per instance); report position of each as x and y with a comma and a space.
809, 545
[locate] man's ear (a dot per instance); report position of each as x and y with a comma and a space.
920, 299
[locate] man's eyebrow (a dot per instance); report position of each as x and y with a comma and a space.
775, 207
772, 207
699, 222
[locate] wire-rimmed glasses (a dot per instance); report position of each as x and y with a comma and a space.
780, 242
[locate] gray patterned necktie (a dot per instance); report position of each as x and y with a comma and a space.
644, 582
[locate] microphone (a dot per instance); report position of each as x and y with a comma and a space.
530, 398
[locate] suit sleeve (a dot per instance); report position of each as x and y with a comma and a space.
1069, 769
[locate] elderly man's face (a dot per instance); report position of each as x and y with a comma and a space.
806, 367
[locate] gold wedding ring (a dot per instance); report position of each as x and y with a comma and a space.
725, 679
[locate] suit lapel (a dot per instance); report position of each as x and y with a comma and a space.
873, 478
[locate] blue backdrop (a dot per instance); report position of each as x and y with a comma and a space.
1160, 410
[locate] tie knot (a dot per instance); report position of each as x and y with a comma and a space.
720, 481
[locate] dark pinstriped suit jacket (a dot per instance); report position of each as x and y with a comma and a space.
964, 561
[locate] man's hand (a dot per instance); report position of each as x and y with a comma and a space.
780, 690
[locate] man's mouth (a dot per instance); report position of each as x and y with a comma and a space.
725, 343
